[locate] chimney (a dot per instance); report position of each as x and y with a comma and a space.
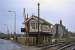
60, 22
27, 16
24, 14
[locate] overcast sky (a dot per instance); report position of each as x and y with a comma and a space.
50, 10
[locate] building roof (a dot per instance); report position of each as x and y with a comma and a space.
44, 23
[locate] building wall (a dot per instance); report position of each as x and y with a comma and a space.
46, 28
42, 28
53, 30
31, 41
36, 26
60, 31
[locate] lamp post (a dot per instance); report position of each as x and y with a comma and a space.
14, 12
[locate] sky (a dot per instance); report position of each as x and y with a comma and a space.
50, 10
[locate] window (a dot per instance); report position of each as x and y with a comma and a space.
33, 25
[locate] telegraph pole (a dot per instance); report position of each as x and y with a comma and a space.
38, 23
14, 12
38, 16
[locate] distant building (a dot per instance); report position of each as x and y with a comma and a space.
58, 30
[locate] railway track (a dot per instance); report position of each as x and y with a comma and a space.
59, 46
52, 46
66, 45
